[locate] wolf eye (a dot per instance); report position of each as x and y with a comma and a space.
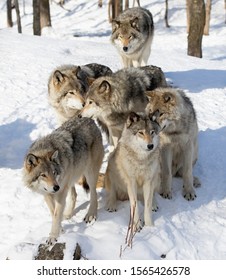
43, 175
141, 132
71, 92
90, 102
152, 132
161, 114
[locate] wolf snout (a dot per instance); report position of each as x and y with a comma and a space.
150, 147
125, 49
56, 188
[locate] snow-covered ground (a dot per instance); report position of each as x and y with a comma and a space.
80, 34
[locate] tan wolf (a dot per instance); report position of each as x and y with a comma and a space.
132, 35
175, 113
133, 169
67, 87
110, 99
54, 163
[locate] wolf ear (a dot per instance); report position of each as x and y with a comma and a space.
31, 161
167, 97
135, 23
54, 156
58, 77
132, 118
115, 25
105, 88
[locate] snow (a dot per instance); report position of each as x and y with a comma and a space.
183, 230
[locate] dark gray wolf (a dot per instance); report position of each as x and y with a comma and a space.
175, 113
54, 163
132, 35
133, 169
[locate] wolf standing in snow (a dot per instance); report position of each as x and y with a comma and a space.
178, 139
54, 163
133, 169
132, 35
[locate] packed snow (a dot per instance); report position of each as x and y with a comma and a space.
79, 35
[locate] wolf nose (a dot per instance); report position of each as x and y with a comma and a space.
56, 188
125, 49
150, 146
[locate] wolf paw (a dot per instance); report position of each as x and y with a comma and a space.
138, 226
189, 195
90, 218
155, 208
51, 241
167, 195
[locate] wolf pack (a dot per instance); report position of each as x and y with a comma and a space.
151, 129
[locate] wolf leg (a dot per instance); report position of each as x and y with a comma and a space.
188, 189
50, 203
148, 192
70, 203
166, 155
134, 212
60, 199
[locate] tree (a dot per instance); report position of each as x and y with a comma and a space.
166, 14
9, 13
196, 12
45, 19
18, 16
36, 17
207, 22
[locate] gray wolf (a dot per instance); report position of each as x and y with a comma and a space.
133, 169
54, 163
111, 98
155, 75
132, 35
175, 113
67, 87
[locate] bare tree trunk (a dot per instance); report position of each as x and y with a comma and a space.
166, 14
45, 19
24, 7
207, 23
18, 16
188, 15
36, 17
196, 27
9, 14
126, 4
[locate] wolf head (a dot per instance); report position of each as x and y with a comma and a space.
98, 99
141, 132
126, 35
166, 106
42, 173
68, 85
